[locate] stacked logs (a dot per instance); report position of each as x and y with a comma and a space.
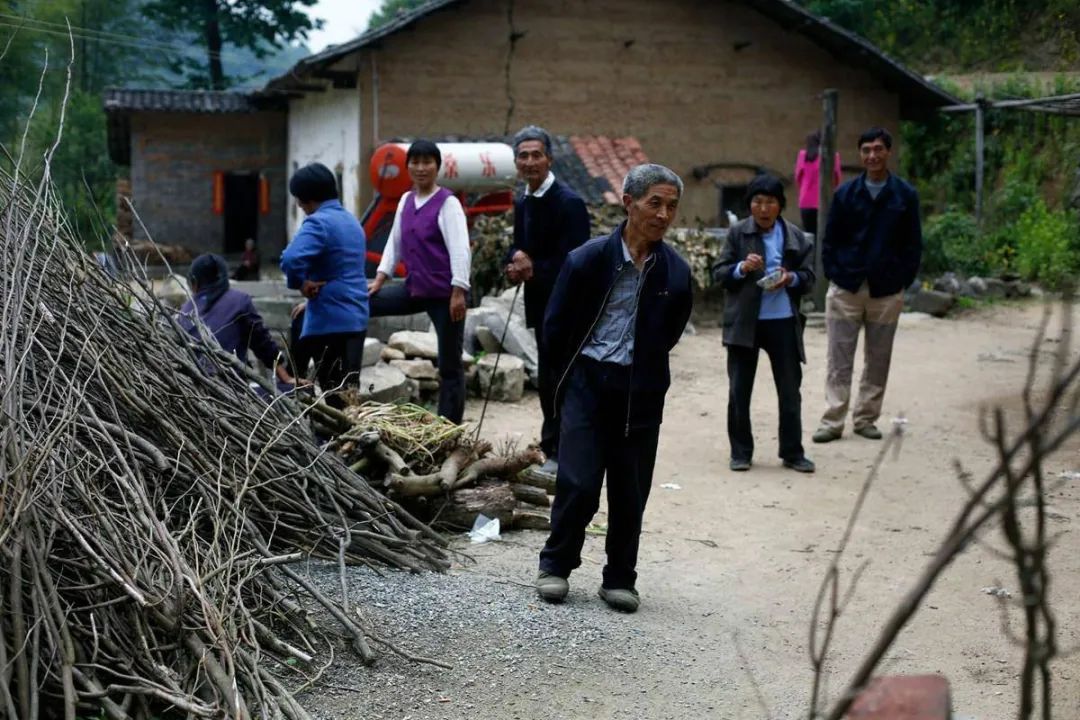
436, 470
153, 506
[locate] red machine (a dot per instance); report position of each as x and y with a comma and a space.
481, 174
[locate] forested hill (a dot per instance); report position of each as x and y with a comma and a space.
962, 36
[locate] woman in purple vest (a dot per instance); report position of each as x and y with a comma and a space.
431, 237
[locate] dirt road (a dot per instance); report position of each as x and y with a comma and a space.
731, 563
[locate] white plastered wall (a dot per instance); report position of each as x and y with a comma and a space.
325, 127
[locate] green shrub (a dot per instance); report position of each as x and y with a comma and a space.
1047, 245
951, 241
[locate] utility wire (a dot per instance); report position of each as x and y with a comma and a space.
132, 41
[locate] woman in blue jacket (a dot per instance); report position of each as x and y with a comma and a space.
325, 262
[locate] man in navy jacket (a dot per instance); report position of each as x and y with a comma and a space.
619, 306
550, 220
870, 253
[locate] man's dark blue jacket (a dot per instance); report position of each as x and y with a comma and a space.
879, 241
547, 228
578, 299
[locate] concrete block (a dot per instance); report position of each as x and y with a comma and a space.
904, 697
507, 382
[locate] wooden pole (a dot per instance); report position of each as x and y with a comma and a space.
980, 157
825, 189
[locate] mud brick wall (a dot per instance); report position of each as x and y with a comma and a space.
173, 160
695, 82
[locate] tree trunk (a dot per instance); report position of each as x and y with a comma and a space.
213, 44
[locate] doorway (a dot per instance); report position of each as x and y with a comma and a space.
241, 210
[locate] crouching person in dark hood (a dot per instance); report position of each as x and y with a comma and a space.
619, 306
229, 314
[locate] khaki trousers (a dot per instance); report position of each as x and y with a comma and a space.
846, 313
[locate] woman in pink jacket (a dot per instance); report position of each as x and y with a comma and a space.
807, 169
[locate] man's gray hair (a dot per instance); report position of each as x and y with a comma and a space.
642, 177
533, 132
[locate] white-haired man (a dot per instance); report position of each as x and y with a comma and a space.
619, 306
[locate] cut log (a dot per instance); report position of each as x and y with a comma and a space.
541, 480
499, 466
462, 507
414, 485
530, 494
530, 517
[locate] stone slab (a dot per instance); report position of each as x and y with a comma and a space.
372, 351
415, 344
417, 369
383, 383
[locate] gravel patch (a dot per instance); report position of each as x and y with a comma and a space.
513, 655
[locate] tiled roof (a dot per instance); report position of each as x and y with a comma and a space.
593, 165
193, 101
610, 159
119, 103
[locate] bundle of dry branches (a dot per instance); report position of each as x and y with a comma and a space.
1013, 495
151, 503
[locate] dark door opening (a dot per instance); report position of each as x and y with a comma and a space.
241, 210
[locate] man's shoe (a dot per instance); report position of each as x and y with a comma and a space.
621, 599
869, 432
803, 465
739, 465
552, 588
825, 434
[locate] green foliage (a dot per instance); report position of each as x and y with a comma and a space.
260, 26
988, 34
951, 241
390, 10
1048, 245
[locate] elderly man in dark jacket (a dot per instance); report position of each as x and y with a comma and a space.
619, 306
765, 269
871, 254
550, 220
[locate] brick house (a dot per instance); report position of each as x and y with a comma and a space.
716, 90
207, 169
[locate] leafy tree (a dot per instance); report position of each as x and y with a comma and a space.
390, 10
261, 26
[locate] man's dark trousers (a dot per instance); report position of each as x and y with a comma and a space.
594, 440
394, 299
779, 340
546, 381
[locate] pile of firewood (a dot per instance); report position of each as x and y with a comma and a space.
153, 507
433, 468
